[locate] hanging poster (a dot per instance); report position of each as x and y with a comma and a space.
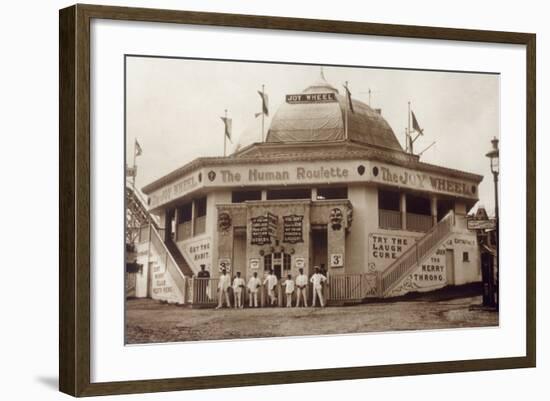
293, 229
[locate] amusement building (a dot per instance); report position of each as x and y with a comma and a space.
329, 186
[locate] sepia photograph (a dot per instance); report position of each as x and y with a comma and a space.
268, 199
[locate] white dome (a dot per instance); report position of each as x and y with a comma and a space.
251, 134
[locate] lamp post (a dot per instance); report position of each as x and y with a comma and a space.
493, 156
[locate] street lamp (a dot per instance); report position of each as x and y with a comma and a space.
493, 156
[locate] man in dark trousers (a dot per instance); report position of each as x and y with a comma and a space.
204, 284
203, 272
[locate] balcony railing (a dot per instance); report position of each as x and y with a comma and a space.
389, 219
419, 222
200, 225
184, 231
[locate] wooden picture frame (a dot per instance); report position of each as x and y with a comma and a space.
75, 208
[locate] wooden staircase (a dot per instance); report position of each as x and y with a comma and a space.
412, 257
179, 258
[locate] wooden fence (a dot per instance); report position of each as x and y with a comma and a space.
337, 290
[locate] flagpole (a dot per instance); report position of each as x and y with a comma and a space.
409, 142
346, 114
263, 113
134, 167
225, 134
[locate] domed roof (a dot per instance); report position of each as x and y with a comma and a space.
324, 119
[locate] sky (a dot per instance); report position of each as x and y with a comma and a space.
173, 109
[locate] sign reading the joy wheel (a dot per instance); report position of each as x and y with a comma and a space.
336, 260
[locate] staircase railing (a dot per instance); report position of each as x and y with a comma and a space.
416, 253
164, 255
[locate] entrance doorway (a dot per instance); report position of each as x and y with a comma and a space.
450, 264
279, 262
319, 247
239, 252
277, 271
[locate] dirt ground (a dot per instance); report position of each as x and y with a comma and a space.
149, 321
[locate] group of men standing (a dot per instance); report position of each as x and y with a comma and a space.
291, 286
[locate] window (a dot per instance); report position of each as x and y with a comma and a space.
389, 215
185, 213
268, 262
286, 261
243, 196
444, 206
418, 205
332, 193
388, 200
200, 207
465, 256
294, 193
200, 216
419, 213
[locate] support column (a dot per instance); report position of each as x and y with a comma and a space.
176, 220
336, 250
433, 204
403, 208
313, 194
167, 224
192, 218
264, 194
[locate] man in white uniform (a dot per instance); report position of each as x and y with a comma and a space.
289, 290
223, 285
301, 285
238, 286
317, 280
253, 287
271, 282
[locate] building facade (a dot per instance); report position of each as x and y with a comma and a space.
331, 187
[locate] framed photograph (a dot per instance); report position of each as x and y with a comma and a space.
260, 187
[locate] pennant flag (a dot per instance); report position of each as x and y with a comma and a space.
348, 95
228, 127
265, 100
416, 126
137, 148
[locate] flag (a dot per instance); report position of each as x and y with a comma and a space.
265, 100
416, 126
348, 95
228, 126
137, 148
